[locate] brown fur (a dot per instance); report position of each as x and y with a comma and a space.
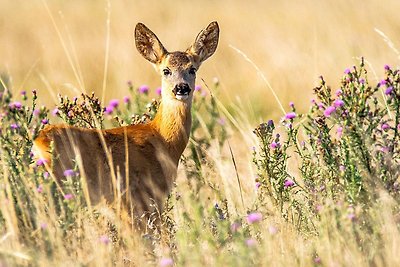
139, 160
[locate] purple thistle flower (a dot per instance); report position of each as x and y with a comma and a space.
43, 226
166, 262
108, 110
257, 185
113, 103
342, 168
317, 260
398, 126
41, 162
158, 90
15, 105
339, 131
288, 183
46, 175
328, 111
69, 173
361, 81
104, 239
384, 149
143, 89
382, 82
221, 121
70, 114
290, 115
55, 112
235, 227
34, 92
385, 127
45, 121
254, 217
39, 189
387, 67
14, 126
351, 216
126, 99
291, 104
251, 242
68, 196
347, 71
338, 92
197, 88
275, 145
270, 123
338, 103
389, 90
23, 93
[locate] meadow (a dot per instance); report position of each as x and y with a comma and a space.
285, 167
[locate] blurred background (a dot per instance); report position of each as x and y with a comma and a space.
58, 46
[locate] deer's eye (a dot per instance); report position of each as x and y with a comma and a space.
192, 71
167, 72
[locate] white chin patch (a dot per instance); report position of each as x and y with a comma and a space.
182, 97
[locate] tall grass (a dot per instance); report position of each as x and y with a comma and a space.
324, 191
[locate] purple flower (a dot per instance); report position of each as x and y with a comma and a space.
15, 105
347, 71
288, 183
69, 173
41, 162
36, 112
126, 99
55, 112
275, 145
68, 196
221, 121
291, 104
108, 110
43, 226
317, 260
272, 230
338, 103
382, 82
158, 91
384, 149
144, 89
197, 88
23, 93
389, 90
387, 67
113, 103
328, 111
339, 131
14, 126
251, 242
104, 239
342, 168
385, 127
45, 121
270, 123
351, 216
166, 262
39, 189
46, 175
258, 185
254, 217
290, 115
70, 114
361, 81
338, 92
398, 126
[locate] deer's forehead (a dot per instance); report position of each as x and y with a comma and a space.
178, 60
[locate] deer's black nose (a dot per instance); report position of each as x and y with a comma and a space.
181, 89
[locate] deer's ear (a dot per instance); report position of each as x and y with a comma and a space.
206, 42
148, 44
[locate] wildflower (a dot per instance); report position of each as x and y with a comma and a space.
45, 121
290, 115
55, 112
144, 89
351, 216
34, 92
41, 162
69, 172
291, 104
113, 103
251, 242
270, 123
235, 227
385, 149
43, 226
68, 196
317, 260
361, 81
338, 92
319, 208
46, 175
258, 185
387, 67
339, 131
221, 121
126, 99
129, 83
288, 183
272, 230
338, 103
14, 126
342, 168
108, 110
328, 111
398, 126
203, 93
385, 127
382, 82
158, 91
166, 262
23, 93
389, 90
254, 217
15, 105
347, 71
70, 114
197, 88
275, 145
104, 239
39, 189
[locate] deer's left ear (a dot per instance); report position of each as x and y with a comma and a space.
206, 42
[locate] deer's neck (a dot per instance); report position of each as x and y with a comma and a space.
174, 121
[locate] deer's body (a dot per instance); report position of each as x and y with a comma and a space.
139, 160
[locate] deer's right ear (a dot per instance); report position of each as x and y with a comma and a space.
148, 44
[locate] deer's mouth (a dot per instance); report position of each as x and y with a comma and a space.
182, 91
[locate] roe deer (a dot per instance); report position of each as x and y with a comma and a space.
144, 158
